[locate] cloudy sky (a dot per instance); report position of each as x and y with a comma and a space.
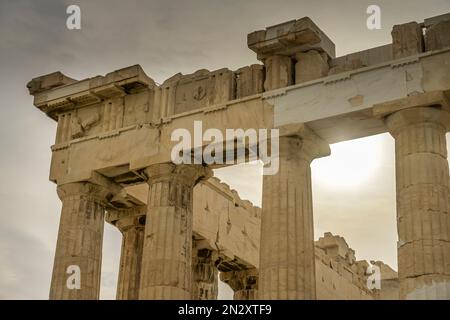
353, 188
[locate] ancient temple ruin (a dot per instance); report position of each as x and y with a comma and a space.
181, 227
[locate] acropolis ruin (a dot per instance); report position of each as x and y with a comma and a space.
183, 229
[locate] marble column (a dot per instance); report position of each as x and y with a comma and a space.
287, 269
131, 223
205, 275
78, 256
243, 282
422, 183
167, 255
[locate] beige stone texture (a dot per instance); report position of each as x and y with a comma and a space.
222, 222
364, 58
422, 202
167, 255
278, 72
243, 282
389, 282
281, 45
428, 22
431, 98
205, 275
48, 82
310, 65
227, 224
227, 231
249, 80
438, 36
80, 240
289, 38
340, 276
114, 134
131, 223
346, 65
183, 93
96, 134
407, 40
287, 221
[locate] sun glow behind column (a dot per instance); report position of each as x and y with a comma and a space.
351, 163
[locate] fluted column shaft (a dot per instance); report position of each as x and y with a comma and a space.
167, 255
79, 244
243, 282
131, 225
423, 222
287, 269
205, 275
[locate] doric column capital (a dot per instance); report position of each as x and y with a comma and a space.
299, 141
402, 119
188, 175
96, 192
125, 219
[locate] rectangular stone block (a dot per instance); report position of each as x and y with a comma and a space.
222, 86
407, 40
138, 108
438, 36
249, 80
184, 93
310, 65
289, 38
278, 72
436, 19
361, 59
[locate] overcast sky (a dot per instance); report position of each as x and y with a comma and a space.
353, 188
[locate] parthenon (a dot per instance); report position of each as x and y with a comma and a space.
183, 229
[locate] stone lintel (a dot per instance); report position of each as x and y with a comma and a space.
301, 130
427, 99
103, 181
165, 157
320, 148
290, 38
